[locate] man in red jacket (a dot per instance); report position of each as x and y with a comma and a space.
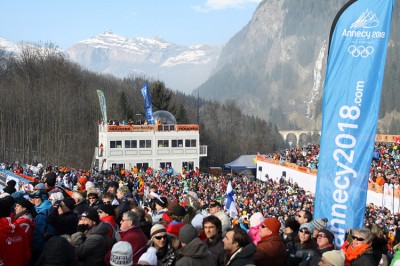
270, 250
14, 244
131, 232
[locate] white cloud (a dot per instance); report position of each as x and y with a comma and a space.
211, 5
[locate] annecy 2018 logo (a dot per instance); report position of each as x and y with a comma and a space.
362, 33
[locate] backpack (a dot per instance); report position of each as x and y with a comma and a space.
113, 238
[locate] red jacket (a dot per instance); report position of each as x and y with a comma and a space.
270, 251
15, 248
136, 238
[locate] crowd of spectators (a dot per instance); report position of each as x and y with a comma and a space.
385, 164
171, 219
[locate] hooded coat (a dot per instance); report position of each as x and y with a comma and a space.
91, 246
196, 254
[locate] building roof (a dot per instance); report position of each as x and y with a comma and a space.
243, 162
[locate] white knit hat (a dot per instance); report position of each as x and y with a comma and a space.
256, 219
121, 254
334, 257
149, 257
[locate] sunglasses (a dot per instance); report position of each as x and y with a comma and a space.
92, 198
160, 237
100, 211
321, 235
107, 202
304, 231
263, 226
357, 238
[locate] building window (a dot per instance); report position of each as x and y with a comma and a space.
130, 144
189, 166
177, 143
142, 166
115, 144
144, 143
190, 143
165, 164
163, 143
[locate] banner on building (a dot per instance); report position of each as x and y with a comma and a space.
103, 106
350, 107
148, 106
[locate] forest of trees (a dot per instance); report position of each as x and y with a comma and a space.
49, 112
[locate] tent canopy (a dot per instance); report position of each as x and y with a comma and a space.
243, 162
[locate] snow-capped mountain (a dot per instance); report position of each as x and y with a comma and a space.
8, 46
182, 68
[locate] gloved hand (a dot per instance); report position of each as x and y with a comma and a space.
82, 227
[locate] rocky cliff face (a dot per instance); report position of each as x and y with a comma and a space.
275, 66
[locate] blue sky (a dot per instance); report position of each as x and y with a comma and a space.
64, 22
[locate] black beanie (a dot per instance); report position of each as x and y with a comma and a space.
5, 208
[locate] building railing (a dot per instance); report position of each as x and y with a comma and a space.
146, 128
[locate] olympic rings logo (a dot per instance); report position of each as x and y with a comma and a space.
360, 51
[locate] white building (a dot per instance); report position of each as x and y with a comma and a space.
163, 144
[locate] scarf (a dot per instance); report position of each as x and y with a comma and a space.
353, 253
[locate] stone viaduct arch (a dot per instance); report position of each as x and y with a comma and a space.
300, 137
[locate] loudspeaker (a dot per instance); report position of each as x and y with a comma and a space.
284, 173
260, 168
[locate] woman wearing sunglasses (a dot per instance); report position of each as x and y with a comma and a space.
302, 249
359, 251
165, 244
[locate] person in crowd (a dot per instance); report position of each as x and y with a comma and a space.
255, 223
216, 210
176, 220
93, 198
161, 207
109, 198
240, 247
359, 251
80, 203
325, 242
24, 216
62, 218
10, 187
165, 244
131, 233
290, 231
107, 215
50, 183
379, 245
193, 251
58, 251
193, 208
57, 196
304, 216
270, 250
302, 250
145, 220
112, 187
318, 224
90, 240
39, 187
15, 247
213, 229
121, 254
43, 231
124, 197
149, 257
332, 258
